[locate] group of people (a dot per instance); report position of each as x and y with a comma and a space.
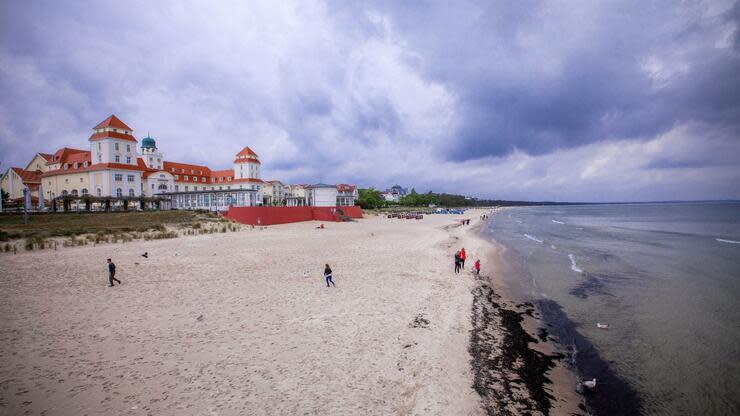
484, 217
460, 257
466, 221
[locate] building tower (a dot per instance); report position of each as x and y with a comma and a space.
151, 155
113, 142
246, 165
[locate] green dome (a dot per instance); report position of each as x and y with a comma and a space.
148, 143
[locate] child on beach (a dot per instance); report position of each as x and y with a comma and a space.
327, 275
477, 267
112, 273
463, 256
457, 262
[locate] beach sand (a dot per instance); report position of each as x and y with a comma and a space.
227, 324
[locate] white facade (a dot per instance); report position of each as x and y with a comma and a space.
322, 195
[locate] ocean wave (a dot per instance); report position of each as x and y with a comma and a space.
722, 240
557, 222
573, 265
532, 238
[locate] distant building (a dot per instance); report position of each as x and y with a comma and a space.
112, 166
274, 193
324, 195
394, 193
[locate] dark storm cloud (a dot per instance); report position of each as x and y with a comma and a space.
539, 76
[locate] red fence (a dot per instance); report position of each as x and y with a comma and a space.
284, 215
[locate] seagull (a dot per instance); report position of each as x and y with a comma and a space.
590, 384
602, 326
145, 255
305, 274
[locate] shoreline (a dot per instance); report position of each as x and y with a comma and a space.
579, 357
518, 368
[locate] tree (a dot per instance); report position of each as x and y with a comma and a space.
370, 198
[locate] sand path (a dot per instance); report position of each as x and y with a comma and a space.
270, 342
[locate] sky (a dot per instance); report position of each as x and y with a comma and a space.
527, 100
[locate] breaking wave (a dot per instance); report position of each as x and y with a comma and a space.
557, 222
573, 265
722, 240
532, 238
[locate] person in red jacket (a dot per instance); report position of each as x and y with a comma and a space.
462, 257
477, 267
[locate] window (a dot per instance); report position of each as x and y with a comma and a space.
75, 165
116, 131
152, 186
64, 193
130, 178
203, 179
84, 191
151, 160
99, 192
161, 176
182, 170
66, 180
118, 159
119, 192
128, 148
128, 159
173, 169
177, 188
186, 188
115, 144
100, 158
98, 147
159, 160
192, 171
177, 177
229, 179
84, 164
66, 166
82, 180
131, 192
162, 186
118, 177
186, 177
74, 192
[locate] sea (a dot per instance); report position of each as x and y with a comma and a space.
664, 278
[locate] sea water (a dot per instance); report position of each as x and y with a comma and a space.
665, 278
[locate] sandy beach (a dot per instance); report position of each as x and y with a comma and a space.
227, 324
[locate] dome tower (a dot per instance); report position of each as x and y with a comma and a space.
149, 152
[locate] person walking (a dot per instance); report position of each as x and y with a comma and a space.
457, 262
463, 256
112, 273
477, 267
327, 275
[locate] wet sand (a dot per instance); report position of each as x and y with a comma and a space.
227, 324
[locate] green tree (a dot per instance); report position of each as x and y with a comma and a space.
370, 198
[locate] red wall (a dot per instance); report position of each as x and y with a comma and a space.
284, 215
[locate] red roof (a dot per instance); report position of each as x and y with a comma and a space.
343, 187
113, 121
246, 152
28, 175
46, 156
112, 135
69, 155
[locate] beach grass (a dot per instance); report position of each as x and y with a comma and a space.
103, 223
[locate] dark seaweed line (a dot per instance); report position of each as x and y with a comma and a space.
509, 376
